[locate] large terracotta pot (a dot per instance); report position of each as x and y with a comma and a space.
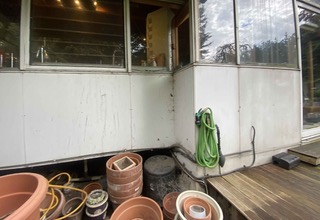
21, 195
138, 208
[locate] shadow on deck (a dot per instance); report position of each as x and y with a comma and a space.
269, 192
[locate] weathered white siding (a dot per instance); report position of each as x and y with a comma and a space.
266, 98
60, 116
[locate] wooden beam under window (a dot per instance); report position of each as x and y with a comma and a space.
158, 3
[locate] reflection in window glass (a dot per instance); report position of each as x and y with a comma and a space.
77, 32
183, 43
216, 24
9, 33
150, 29
266, 33
313, 1
309, 23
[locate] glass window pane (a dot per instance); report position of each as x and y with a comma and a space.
150, 36
10, 33
77, 32
309, 23
267, 33
216, 24
183, 43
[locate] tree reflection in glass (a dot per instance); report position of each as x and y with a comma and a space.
266, 27
216, 27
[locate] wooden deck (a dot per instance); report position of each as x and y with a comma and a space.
270, 192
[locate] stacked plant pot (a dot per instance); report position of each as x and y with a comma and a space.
169, 205
124, 177
97, 204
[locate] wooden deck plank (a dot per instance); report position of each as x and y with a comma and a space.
290, 193
270, 192
265, 199
308, 153
236, 198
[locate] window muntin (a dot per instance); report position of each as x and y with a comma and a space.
83, 33
10, 33
266, 33
216, 29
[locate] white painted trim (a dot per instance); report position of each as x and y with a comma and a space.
25, 32
236, 31
194, 10
194, 31
127, 35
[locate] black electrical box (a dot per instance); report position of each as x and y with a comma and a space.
285, 160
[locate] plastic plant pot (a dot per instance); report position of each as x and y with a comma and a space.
97, 201
98, 215
70, 206
21, 195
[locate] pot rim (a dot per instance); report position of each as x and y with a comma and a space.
214, 205
97, 214
127, 205
99, 203
37, 195
119, 173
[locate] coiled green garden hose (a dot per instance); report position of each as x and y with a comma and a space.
207, 152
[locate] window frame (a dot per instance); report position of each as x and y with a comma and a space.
195, 11
25, 46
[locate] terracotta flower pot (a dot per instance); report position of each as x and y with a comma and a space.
120, 187
57, 210
120, 199
138, 208
70, 206
124, 180
196, 208
111, 172
126, 192
90, 187
21, 195
169, 204
216, 212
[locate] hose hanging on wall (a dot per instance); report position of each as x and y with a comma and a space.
207, 152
